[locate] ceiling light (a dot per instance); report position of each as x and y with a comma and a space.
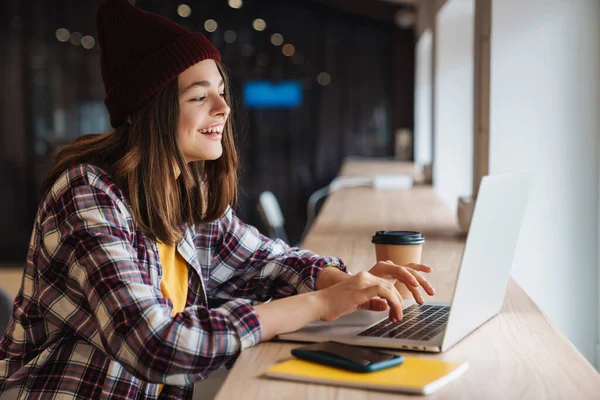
277, 39
210, 25
288, 50
184, 10
62, 34
229, 36
88, 42
324, 78
76, 38
259, 24
235, 3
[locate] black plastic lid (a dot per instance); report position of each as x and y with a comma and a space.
398, 237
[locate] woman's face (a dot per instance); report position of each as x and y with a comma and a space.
202, 112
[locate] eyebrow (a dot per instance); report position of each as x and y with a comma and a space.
201, 84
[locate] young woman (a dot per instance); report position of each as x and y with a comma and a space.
135, 233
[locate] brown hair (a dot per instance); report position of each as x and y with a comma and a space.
141, 157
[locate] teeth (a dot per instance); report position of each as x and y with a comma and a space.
214, 129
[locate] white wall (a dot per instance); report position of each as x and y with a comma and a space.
424, 100
453, 110
545, 103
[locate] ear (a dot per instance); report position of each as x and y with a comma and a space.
129, 119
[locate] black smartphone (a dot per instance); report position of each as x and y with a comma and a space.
353, 358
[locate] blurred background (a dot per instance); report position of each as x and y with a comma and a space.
311, 81
457, 88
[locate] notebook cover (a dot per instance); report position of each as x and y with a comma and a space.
415, 375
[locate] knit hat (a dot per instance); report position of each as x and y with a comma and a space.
140, 53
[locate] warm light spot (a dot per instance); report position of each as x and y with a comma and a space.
184, 10
210, 25
324, 78
235, 3
288, 50
277, 39
229, 36
76, 38
259, 24
62, 34
88, 42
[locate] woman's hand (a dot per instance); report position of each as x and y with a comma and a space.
405, 276
363, 290
351, 293
340, 294
407, 279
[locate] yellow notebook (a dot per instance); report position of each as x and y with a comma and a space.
415, 375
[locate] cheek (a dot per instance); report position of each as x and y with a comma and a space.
186, 124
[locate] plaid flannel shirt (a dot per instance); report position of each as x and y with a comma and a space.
90, 321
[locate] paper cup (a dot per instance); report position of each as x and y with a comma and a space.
401, 248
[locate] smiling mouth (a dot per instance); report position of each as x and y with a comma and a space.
211, 134
215, 135
212, 130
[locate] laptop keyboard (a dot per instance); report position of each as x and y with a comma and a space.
420, 322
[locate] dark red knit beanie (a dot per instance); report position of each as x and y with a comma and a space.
140, 53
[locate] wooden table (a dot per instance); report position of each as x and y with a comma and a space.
519, 354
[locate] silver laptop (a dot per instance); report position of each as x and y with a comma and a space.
480, 287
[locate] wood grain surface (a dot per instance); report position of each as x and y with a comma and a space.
518, 354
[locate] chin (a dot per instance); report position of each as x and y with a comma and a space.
213, 158
207, 157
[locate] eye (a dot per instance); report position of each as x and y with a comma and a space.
202, 98
224, 95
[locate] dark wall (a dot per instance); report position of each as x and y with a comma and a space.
52, 92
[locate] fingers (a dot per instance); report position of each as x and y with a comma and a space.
408, 274
417, 295
400, 309
389, 292
403, 275
428, 287
386, 290
419, 267
415, 292
387, 269
375, 304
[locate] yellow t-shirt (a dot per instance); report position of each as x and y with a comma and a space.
174, 282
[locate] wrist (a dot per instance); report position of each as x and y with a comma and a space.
289, 313
316, 303
329, 276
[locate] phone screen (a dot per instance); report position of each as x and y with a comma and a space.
359, 355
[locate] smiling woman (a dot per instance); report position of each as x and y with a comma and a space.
203, 112
176, 129
136, 232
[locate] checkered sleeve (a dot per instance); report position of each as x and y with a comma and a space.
95, 287
249, 265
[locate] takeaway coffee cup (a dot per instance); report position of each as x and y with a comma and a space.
401, 248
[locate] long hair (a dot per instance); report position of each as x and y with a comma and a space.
142, 158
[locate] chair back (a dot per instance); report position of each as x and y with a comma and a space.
272, 218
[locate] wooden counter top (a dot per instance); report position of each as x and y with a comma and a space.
518, 354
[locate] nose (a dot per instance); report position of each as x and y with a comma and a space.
220, 107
